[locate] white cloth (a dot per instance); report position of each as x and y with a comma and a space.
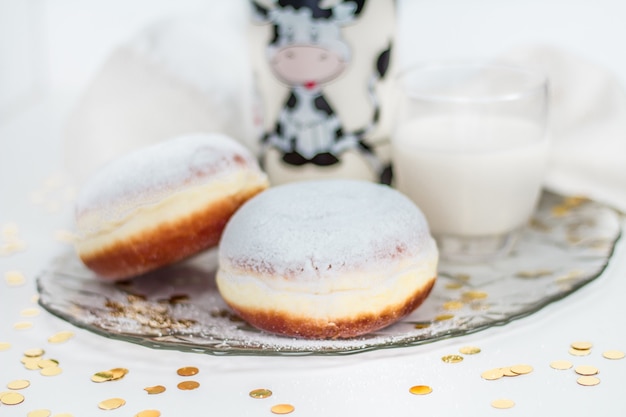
587, 124
180, 76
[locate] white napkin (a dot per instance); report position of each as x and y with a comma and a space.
180, 75
194, 75
587, 124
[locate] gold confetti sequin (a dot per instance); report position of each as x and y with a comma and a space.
47, 363
502, 403
452, 358
453, 305
14, 278
5, 346
581, 345
492, 374
39, 413
18, 384
422, 325
579, 352
12, 398
420, 390
613, 354
444, 317
156, 389
30, 312
23, 325
188, 385
508, 372
521, 369
102, 376
561, 365
118, 373
469, 350
51, 371
282, 408
260, 393
60, 337
111, 403
453, 285
588, 381
34, 353
474, 295
148, 413
187, 371
586, 370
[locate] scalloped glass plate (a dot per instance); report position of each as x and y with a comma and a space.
567, 244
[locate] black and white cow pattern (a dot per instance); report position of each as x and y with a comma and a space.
307, 52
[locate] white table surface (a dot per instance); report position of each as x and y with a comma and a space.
35, 196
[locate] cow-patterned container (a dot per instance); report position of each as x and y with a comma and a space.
323, 72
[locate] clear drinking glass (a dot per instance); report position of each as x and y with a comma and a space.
470, 148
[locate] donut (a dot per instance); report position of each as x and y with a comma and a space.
161, 204
326, 259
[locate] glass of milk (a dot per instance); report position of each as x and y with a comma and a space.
470, 148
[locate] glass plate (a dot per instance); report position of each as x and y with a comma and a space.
567, 244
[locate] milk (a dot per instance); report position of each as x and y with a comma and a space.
471, 177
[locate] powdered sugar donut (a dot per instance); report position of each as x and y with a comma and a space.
163, 203
326, 259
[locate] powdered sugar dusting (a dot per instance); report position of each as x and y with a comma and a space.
325, 227
147, 175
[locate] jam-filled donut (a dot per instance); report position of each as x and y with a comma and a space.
326, 259
161, 204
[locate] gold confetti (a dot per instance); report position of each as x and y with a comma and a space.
452, 358
282, 408
30, 312
187, 371
453, 305
188, 385
561, 365
118, 373
508, 372
581, 345
148, 413
492, 374
613, 354
156, 389
260, 393
469, 350
34, 353
14, 278
422, 325
474, 295
51, 371
5, 346
111, 404
102, 376
454, 285
586, 370
47, 363
18, 384
521, 369
23, 325
420, 390
444, 317
502, 403
39, 413
534, 274
588, 381
61, 337
579, 352
11, 398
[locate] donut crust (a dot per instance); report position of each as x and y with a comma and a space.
281, 322
166, 243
